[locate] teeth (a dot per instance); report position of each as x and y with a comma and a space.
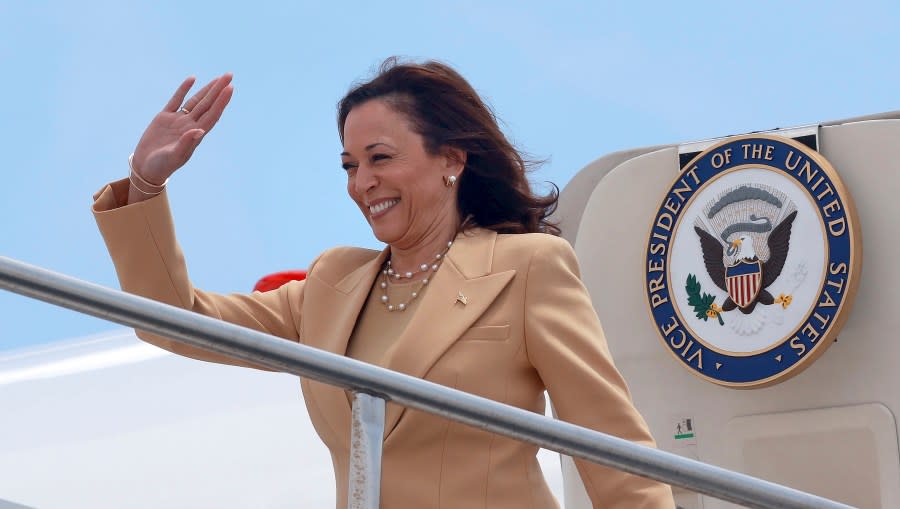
381, 207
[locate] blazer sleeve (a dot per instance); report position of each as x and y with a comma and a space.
149, 262
566, 345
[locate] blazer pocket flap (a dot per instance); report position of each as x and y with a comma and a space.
487, 332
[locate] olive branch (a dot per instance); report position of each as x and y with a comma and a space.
703, 303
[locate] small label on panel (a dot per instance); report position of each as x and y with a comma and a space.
684, 431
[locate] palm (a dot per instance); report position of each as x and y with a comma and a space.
172, 135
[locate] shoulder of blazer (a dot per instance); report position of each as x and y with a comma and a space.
527, 252
334, 264
523, 246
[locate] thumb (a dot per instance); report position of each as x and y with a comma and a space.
188, 142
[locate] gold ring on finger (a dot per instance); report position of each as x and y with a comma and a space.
184, 110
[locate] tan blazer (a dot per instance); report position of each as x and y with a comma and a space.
528, 326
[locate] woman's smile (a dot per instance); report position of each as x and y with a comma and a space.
379, 208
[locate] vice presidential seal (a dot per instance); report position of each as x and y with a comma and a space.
753, 261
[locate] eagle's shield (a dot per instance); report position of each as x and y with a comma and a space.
742, 281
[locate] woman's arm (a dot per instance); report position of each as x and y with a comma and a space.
141, 240
566, 345
134, 218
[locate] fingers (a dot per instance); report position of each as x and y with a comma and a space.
177, 98
209, 119
211, 95
195, 99
215, 87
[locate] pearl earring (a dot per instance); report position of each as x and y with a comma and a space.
449, 181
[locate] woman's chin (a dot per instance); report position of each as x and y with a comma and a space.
384, 233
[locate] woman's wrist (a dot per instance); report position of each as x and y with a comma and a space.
140, 189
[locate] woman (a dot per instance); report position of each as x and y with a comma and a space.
473, 291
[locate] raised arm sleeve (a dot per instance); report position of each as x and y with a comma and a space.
567, 347
149, 262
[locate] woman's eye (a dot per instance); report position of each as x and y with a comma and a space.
379, 157
348, 166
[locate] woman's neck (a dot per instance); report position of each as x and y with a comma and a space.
424, 252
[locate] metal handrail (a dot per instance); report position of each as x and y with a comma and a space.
277, 354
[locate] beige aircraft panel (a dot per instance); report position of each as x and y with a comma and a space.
576, 194
861, 368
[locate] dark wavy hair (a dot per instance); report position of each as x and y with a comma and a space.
446, 111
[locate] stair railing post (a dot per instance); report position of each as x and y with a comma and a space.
366, 438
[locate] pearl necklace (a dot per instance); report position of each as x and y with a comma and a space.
388, 273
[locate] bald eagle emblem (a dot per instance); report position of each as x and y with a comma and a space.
746, 254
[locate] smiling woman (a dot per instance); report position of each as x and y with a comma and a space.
398, 185
473, 290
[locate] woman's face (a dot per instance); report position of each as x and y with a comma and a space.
394, 181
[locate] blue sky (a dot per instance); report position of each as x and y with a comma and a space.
265, 192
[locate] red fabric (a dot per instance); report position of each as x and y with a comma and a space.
273, 281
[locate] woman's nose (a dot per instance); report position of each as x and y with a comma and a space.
365, 179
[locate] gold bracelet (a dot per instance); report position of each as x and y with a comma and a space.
153, 187
135, 185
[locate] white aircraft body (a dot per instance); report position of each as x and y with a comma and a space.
112, 422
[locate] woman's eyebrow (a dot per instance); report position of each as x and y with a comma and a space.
373, 145
368, 148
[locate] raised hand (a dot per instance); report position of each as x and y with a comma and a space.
177, 130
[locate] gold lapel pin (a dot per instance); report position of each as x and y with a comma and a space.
462, 299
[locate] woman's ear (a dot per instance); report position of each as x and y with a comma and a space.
454, 160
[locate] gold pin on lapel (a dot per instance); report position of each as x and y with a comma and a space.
462, 299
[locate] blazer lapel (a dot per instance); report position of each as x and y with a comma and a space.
329, 315
458, 294
332, 309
